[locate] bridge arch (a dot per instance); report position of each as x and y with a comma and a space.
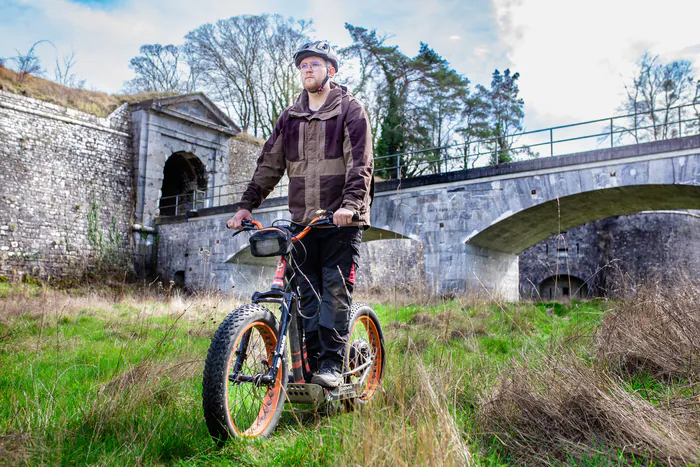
517, 232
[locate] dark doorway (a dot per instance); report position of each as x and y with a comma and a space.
563, 287
179, 278
184, 184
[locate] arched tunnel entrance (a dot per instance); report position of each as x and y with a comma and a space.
184, 184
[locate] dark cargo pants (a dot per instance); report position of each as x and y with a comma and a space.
328, 257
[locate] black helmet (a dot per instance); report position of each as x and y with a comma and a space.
316, 49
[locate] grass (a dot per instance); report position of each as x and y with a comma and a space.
113, 379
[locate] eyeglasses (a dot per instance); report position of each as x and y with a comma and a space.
313, 65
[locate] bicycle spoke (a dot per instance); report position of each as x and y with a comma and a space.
246, 398
365, 357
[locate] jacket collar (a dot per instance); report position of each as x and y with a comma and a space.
331, 108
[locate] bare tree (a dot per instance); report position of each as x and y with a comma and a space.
28, 64
62, 72
245, 62
160, 68
652, 96
283, 37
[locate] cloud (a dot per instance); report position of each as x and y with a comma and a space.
574, 56
105, 37
408, 23
104, 40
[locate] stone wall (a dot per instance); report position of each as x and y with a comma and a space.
656, 245
244, 151
65, 188
243, 156
197, 250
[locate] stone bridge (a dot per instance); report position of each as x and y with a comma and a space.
117, 184
474, 223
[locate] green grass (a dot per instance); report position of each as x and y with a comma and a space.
90, 381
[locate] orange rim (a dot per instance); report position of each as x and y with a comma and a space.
370, 334
250, 408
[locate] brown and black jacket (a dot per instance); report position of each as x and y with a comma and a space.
327, 155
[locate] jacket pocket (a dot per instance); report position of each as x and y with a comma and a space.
297, 197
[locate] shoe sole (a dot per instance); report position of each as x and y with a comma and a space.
324, 383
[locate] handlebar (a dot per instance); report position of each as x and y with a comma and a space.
324, 218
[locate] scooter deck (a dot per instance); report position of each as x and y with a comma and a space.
309, 393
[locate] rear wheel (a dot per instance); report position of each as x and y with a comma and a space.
236, 403
364, 355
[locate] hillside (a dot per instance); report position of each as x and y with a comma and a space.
93, 102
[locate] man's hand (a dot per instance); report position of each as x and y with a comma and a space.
342, 217
236, 221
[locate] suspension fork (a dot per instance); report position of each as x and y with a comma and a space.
289, 323
281, 342
287, 301
241, 353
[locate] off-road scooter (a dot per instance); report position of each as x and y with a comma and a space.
245, 380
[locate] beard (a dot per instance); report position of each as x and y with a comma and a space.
312, 83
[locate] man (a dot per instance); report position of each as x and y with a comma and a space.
324, 143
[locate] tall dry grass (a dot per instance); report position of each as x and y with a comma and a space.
96, 103
412, 422
656, 330
568, 408
545, 408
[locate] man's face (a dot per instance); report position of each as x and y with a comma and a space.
313, 71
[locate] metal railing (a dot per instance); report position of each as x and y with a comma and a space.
181, 203
649, 125
621, 130
218, 195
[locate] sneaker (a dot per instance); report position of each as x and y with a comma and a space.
329, 376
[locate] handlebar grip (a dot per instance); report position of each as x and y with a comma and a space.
329, 215
246, 226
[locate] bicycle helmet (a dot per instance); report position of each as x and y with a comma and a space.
316, 49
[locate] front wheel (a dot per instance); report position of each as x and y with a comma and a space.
364, 356
236, 403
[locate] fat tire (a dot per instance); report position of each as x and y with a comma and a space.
216, 368
358, 311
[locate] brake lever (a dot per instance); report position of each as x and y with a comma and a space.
246, 226
325, 221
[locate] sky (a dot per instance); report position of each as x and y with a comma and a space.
573, 56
